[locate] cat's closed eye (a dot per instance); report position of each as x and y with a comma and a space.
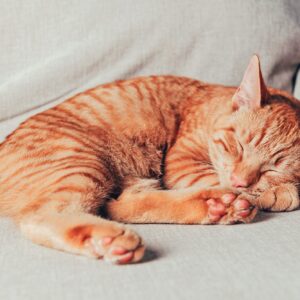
240, 146
231, 147
268, 172
222, 143
279, 161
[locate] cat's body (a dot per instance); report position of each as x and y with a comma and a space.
155, 143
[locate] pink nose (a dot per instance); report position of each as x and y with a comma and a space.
238, 182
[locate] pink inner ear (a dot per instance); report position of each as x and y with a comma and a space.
252, 88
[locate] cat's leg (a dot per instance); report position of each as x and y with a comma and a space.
83, 234
62, 217
142, 203
284, 197
193, 196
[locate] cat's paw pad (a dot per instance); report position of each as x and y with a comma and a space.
117, 245
229, 209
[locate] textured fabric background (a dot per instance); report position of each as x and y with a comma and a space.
242, 262
53, 49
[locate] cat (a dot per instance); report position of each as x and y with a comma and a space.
157, 149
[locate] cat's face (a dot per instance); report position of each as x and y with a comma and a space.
258, 149
258, 146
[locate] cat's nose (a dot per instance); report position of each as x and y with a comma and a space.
237, 181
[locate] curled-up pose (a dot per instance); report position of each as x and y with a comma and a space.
159, 149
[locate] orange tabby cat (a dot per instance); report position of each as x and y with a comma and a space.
170, 149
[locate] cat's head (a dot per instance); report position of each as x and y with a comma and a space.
258, 145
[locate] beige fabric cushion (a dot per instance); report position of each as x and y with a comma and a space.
53, 49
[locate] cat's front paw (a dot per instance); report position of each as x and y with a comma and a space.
282, 198
229, 209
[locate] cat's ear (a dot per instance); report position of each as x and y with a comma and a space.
252, 90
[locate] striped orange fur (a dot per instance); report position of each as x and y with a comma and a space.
152, 149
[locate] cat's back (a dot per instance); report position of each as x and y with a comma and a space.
136, 114
141, 109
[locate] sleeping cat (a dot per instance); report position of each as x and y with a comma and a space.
159, 149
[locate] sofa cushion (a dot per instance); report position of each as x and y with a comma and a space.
54, 49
